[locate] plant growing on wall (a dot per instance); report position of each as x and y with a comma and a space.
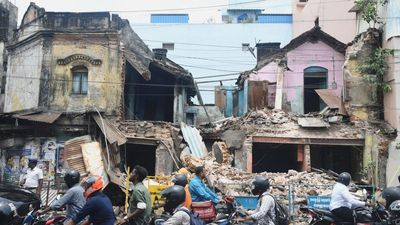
375, 66
369, 9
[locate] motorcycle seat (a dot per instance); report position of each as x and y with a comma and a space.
327, 213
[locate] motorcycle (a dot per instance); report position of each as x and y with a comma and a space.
32, 218
365, 216
226, 213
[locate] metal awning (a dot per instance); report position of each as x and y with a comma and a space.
332, 100
111, 132
44, 117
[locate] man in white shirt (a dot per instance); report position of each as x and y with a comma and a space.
34, 177
342, 202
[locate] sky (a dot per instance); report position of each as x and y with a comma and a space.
204, 13
201, 11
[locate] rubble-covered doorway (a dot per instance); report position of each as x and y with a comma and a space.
338, 159
143, 155
274, 157
315, 77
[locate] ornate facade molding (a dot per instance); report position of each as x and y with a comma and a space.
77, 57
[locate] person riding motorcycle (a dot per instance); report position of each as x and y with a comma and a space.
174, 199
391, 194
98, 206
73, 199
264, 214
181, 180
342, 202
6, 213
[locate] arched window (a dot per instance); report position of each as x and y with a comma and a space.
79, 80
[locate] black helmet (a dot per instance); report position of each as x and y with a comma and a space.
71, 178
6, 213
180, 179
260, 185
174, 196
344, 178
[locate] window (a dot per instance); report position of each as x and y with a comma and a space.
169, 18
275, 18
245, 47
168, 46
80, 80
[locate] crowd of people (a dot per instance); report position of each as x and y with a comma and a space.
86, 204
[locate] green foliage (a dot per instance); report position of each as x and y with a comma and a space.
369, 9
374, 68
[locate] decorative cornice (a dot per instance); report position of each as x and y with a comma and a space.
77, 57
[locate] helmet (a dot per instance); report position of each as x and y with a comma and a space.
180, 180
91, 184
32, 160
344, 178
6, 213
174, 196
71, 178
260, 185
395, 207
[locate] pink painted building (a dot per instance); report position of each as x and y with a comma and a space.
334, 17
313, 60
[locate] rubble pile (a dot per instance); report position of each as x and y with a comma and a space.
235, 182
145, 129
265, 117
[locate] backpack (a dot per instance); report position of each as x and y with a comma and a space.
281, 213
194, 217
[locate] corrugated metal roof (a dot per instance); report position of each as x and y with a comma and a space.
332, 100
44, 117
310, 122
329, 97
112, 133
194, 140
73, 153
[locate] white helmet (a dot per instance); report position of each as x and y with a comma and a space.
395, 206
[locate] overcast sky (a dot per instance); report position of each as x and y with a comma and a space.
199, 10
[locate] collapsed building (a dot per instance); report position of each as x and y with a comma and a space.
77, 78
306, 106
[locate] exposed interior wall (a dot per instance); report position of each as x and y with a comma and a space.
338, 159
363, 100
274, 157
149, 100
143, 155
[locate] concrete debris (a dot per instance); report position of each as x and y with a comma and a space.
233, 138
221, 153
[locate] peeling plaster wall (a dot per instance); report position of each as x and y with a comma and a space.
306, 55
104, 81
23, 77
362, 99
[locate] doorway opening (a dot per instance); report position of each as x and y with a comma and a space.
315, 77
338, 159
143, 155
274, 157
